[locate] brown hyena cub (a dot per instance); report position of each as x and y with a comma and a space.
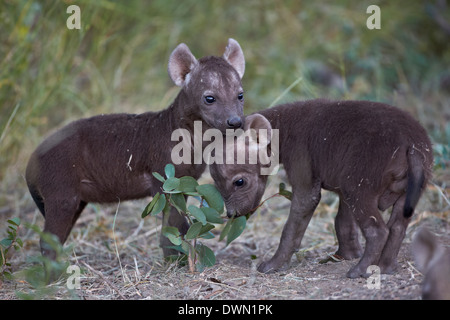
110, 158
372, 155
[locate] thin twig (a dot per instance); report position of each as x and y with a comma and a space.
115, 242
262, 202
13, 114
105, 280
286, 91
439, 189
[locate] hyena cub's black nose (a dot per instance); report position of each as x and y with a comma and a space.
234, 122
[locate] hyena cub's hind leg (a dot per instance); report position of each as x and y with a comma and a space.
60, 216
347, 233
374, 231
397, 225
410, 187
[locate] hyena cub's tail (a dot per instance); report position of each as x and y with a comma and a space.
416, 181
37, 198
31, 177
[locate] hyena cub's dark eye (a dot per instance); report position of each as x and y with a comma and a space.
241, 96
209, 99
239, 182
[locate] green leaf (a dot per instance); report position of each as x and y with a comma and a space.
186, 246
205, 255
206, 235
188, 184
237, 226
178, 201
197, 213
212, 196
193, 194
169, 171
211, 215
172, 234
193, 231
179, 248
155, 206
285, 193
226, 229
150, 206
5, 243
159, 206
158, 176
174, 239
167, 207
199, 267
14, 221
204, 232
171, 184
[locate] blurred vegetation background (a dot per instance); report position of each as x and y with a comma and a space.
117, 61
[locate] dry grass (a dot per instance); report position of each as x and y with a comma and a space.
125, 261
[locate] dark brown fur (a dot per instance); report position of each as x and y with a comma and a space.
110, 158
372, 155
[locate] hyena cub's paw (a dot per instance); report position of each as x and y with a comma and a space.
271, 267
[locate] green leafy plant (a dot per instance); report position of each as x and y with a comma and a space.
11, 241
201, 217
44, 271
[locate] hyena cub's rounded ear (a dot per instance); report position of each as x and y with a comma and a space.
234, 55
181, 63
262, 130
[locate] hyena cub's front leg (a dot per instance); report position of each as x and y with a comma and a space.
302, 208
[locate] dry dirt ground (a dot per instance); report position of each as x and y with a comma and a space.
120, 258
